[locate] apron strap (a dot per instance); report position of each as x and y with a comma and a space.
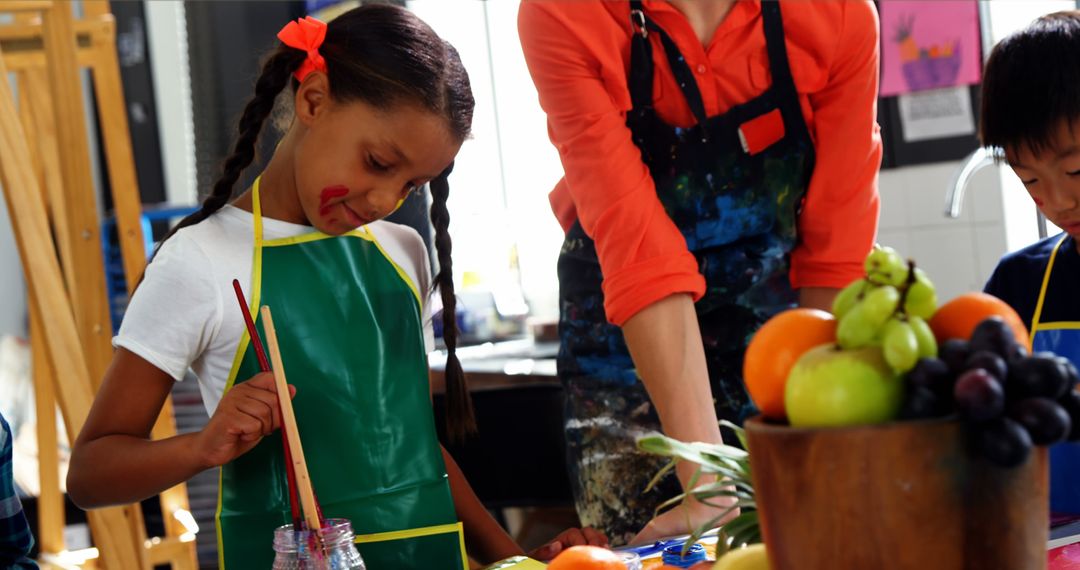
641, 64
256, 211
641, 61
1045, 285
773, 24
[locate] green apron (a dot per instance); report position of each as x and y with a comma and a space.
349, 329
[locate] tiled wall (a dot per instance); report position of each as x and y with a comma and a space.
958, 254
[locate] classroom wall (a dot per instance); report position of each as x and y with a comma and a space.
168, 47
12, 288
13, 308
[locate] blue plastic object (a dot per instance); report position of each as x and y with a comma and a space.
673, 555
654, 548
313, 6
115, 282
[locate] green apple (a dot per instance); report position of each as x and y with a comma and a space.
753, 557
833, 387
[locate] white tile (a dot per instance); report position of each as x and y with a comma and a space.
984, 196
927, 186
892, 179
989, 247
948, 256
1021, 215
898, 239
892, 187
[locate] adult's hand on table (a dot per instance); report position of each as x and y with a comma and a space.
566, 539
684, 519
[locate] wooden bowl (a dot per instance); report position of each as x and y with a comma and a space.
904, 495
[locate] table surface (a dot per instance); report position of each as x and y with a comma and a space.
492, 366
1065, 534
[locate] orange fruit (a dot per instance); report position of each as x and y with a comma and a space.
587, 558
959, 317
775, 348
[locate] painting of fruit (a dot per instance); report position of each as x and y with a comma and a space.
928, 45
926, 67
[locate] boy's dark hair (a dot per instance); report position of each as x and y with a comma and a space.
1032, 84
384, 56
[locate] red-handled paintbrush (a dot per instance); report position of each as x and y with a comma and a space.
264, 365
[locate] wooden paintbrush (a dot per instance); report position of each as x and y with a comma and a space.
288, 422
264, 365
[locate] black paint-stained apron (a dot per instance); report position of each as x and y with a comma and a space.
733, 184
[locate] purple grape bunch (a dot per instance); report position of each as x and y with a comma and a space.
1009, 400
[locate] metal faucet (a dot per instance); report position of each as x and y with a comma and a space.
982, 156
954, 194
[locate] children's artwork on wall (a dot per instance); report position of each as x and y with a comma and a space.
936, 114
929, 45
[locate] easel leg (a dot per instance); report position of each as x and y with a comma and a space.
50, 501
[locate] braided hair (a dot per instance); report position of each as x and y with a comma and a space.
384, 56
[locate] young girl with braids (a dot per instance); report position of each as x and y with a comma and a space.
381, 107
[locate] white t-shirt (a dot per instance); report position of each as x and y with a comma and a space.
185, 313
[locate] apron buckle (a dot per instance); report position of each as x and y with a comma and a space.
637, 21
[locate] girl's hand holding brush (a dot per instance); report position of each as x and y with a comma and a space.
247, 413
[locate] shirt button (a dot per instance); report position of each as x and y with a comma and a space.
701, 68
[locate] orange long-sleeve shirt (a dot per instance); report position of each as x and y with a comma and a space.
578, 53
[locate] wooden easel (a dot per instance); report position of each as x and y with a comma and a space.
43, 144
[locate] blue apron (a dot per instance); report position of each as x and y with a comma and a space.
1062, 338
736, 201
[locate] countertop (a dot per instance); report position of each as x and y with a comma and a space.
507, 364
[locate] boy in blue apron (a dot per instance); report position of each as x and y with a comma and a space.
1031, 112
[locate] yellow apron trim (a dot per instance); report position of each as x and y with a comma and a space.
363, 234
408, 533
241, 348
305, 238
217, 525
255, 288
1042, 289
401, 272
256, 210
1060, 326
461, 544
245, 339
417, 533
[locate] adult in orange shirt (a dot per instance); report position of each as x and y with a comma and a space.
720, 164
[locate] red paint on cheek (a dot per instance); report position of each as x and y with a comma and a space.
329, 193
1038, 202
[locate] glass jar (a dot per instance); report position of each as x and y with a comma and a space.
299, 550
631, 560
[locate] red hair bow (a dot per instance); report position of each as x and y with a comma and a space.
306, 34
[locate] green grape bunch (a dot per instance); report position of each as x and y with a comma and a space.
889, 308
